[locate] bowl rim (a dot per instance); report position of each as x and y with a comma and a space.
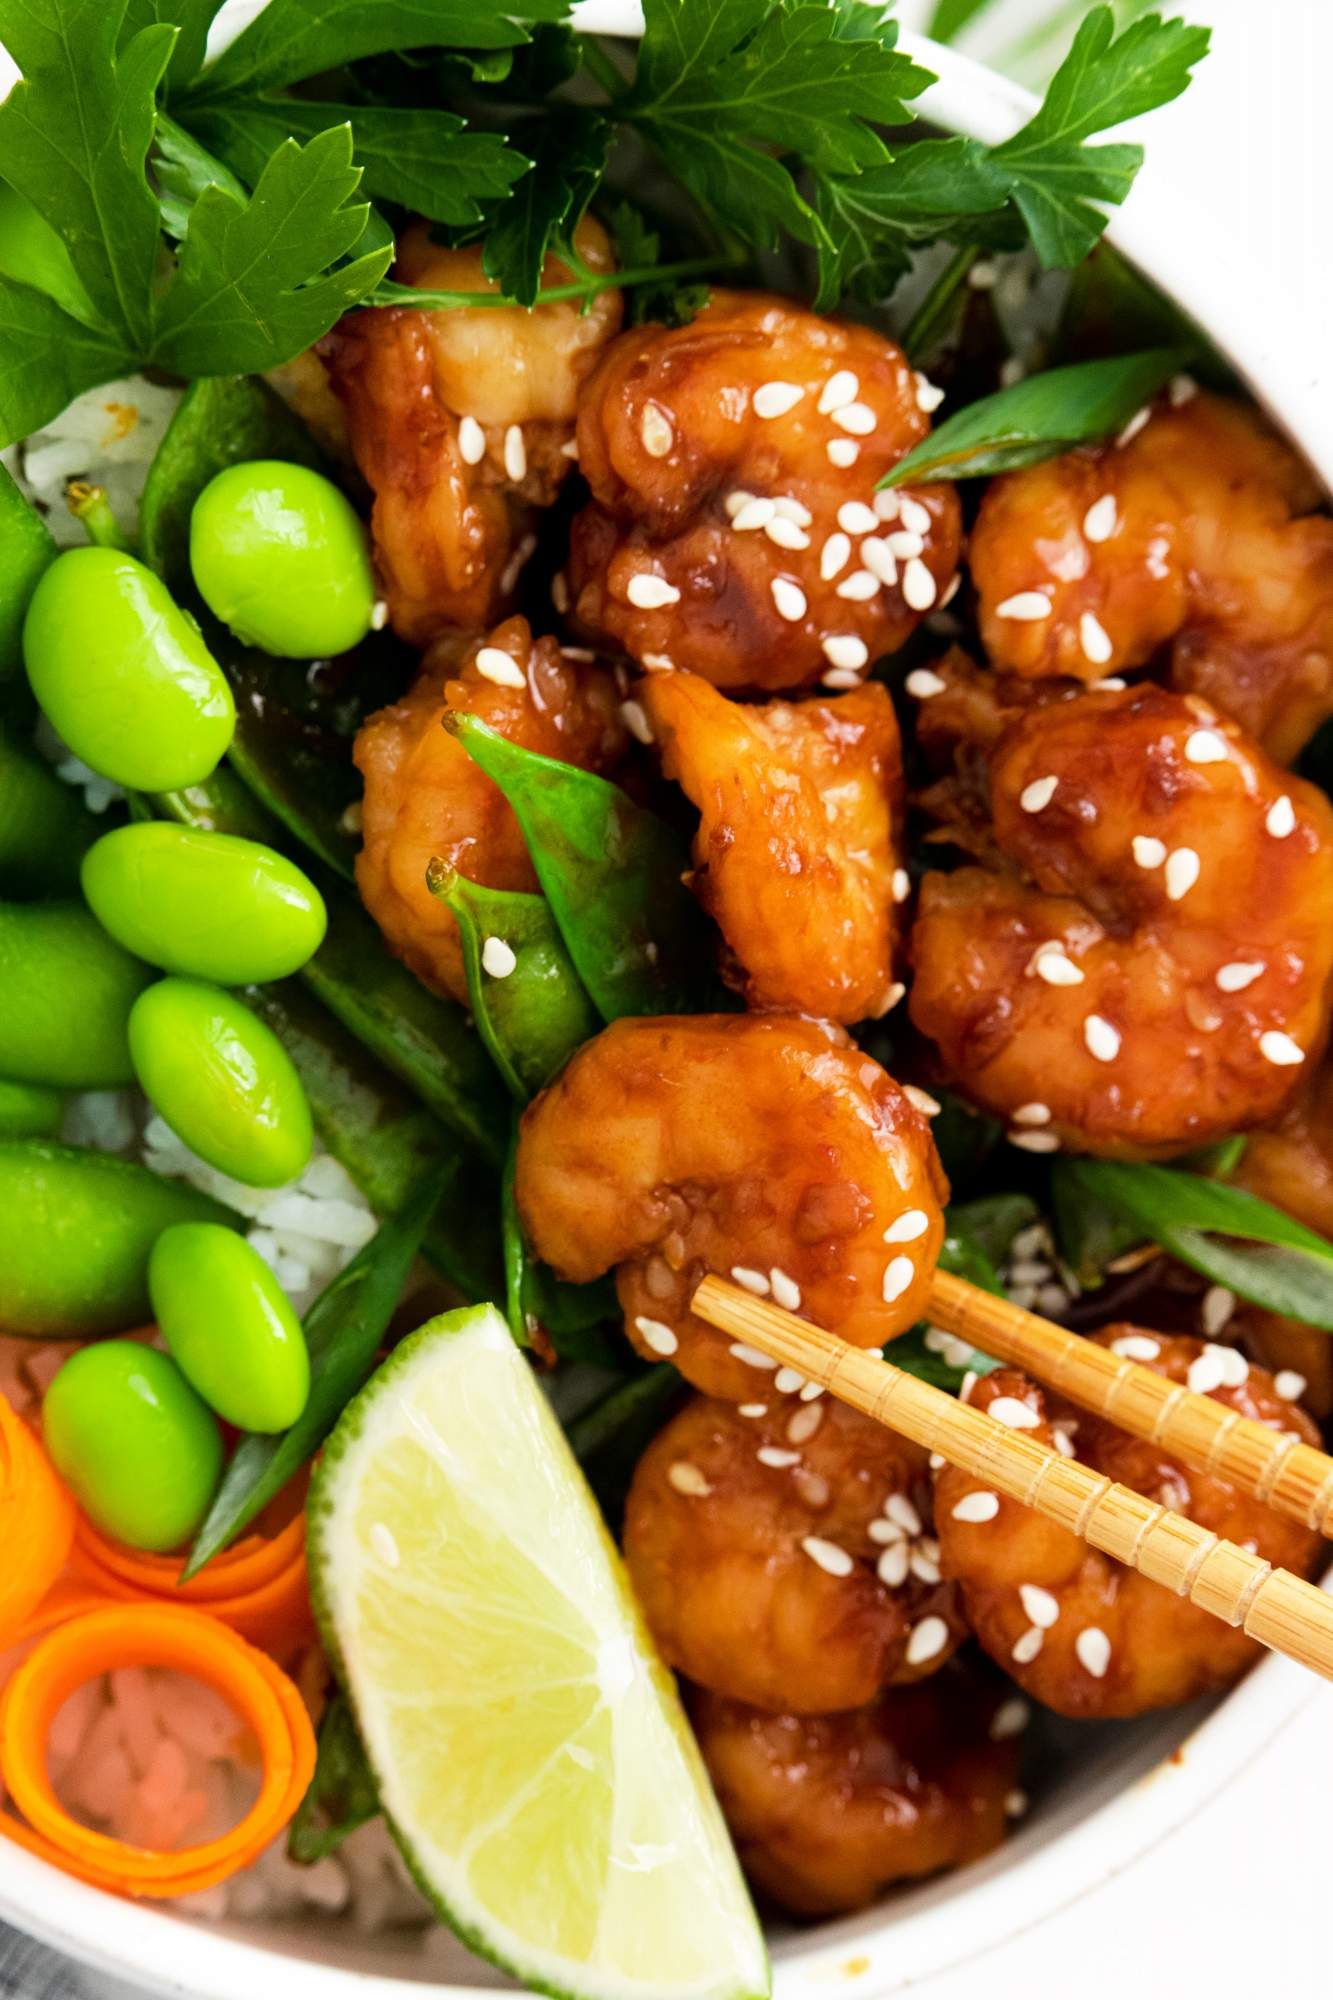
1162, 230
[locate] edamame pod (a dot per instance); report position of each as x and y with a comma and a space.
204, 904
282, 558
44, 826
123, 673
222, 1080
139, 1449
29, 1111
229, 1325
67, 992
76, 1228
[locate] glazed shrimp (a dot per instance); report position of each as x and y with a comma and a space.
1197, 533
795, 856
828, 1811
735, 530
1292, 1166
1147, 968
782, 1554
462, 424
1075, 1628
761, 1146
424, 795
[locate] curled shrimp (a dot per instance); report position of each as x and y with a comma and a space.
462, 424
1075, 1628
795, 856
1145, 966
735, 529
828, 1811
762, 1147
782, 1554
424, 796
1291, 1165
1197, 532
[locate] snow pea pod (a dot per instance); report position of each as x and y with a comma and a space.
611, 872
44, 826
27, 548
67, 993
530, 1007
76, 1230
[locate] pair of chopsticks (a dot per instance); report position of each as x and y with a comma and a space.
1272, 1605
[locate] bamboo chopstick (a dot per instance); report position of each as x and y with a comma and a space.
1271, 1605
1294, 1478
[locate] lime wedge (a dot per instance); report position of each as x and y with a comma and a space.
531, 1753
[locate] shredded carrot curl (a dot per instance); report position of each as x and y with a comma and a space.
37, 1516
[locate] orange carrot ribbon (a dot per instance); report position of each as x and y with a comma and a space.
37, 1516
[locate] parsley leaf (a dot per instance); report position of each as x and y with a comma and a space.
1056, 179
46, 359
569, 149
872, 220
182, 169
253, 287
192, 20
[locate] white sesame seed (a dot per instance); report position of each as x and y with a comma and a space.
753, 1409
845, 650
976, 1507
888, 503
515, 453
1034, 798
1205, 746
560, 593
856, 518
937, 1461
1034, 1142
967, 1385
885, 1531
879, 559
901, 885
982, 276
1025, 605
650, 593
1095, 640
655, 663
929, 395
891, 998
1281, 818
1102, 1039
918, 586
688, 1479
1051, 963
753, 1357
794, 510
833, 556
1100, 521
586, 653
1182, 390
787, 1381
898, 1275
1277, 1047
1149, 852
1027, 1646
1289, 1385
1137, 1347
785, 1290
771, 1454
1240, 973
1182, 872
1011, 1718
812, 1392
498, 958
922, 683
859, 587
570, 449
1015, 1415
786, 534
899, 1509
656, 1334
840, 678
735, 500
1016, 1803
1012, 371
471, 441
803, 1423
788, 599
1133, 427
906, 543
383, 1543
928, 1106
905, 1228
842, 452
858, 418
1039, 1607
839, 390
1207, 1371
494, 664
379, 614
655, 431
1035, 1113
774, 399
753, 1281
635, 719
1094, 1650
914, 517
828, 1555
926, 1638
894, 1564
1216, 1308
754, 513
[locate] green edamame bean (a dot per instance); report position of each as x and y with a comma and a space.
140, 1451
44, 826
29, 1111
204, 904
76, 1228
229, 1325
281, 557
222, 1080
123, 673
67, 989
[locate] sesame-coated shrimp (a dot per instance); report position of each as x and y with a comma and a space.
462, 423
762, 1147
782, 1554
1147, 967
795, 855
1198, 533
735, 529
828, 1811
1075, 1628
1292, 1166
424, 795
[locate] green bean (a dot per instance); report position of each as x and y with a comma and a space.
76, 1230
67, 993
27, 548
29, 1111
612, 874
44, 826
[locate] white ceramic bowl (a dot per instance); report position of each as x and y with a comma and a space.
1125, 1787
